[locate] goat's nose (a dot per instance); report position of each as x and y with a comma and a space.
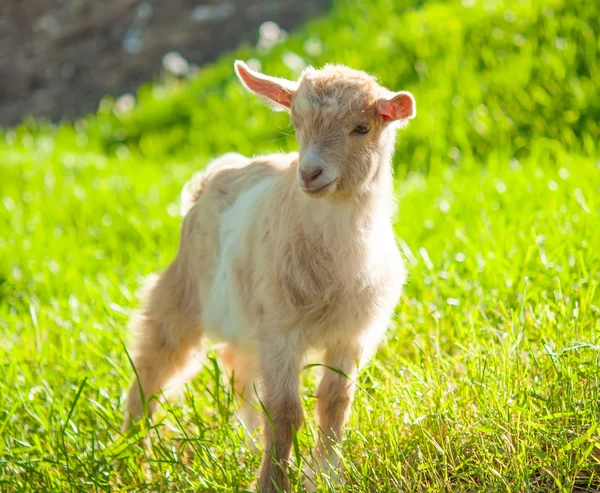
311, 175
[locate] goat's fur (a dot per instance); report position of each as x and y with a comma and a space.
273, 266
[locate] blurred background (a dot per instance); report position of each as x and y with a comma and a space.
59, 57
489, 380
519, 77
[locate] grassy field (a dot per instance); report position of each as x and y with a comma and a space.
489, 380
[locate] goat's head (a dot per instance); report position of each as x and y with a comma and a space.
345, 124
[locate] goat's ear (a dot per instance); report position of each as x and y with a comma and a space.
279, 92
399, 106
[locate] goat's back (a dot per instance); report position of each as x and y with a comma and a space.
219, 207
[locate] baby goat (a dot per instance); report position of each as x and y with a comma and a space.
283, 254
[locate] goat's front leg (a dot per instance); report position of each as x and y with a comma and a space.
335, 396
280, 366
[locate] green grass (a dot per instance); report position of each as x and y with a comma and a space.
490, 378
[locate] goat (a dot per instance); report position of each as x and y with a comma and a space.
282, 254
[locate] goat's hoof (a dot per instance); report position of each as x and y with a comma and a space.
334, 476
251, 444
309, 486
309, 482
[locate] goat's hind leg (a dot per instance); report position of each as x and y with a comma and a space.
243, 370
168, 341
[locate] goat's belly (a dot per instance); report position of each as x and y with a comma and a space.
223, 314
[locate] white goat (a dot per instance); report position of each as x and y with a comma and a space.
286, 253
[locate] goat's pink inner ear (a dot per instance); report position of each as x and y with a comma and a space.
401, 106
276, 90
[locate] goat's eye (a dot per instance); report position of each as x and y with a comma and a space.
361, 128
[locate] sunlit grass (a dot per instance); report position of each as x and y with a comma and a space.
490, 378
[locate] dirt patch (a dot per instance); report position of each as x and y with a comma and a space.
59, 57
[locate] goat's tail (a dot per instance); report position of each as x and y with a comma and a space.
193, 189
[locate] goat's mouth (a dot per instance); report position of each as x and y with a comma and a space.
319, 191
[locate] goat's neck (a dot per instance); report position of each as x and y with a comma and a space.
342, 224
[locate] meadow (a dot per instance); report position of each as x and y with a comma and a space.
489, 379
